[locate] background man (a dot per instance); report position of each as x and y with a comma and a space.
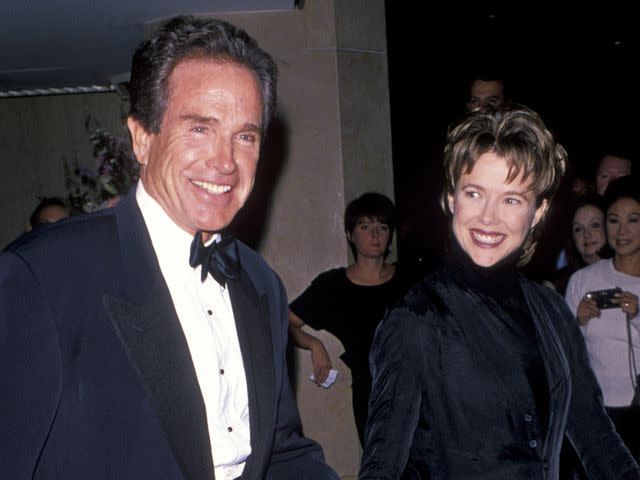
610, 167
122, 357
486, 92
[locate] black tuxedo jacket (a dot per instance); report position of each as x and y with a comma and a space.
449, 401
97, 378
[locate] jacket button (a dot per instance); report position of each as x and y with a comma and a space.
533, 443
528, 417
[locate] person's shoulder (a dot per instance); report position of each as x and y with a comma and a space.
424, 298
260, 272
595, 269
331, 275
542, 288
66, 234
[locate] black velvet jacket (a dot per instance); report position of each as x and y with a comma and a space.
451, 400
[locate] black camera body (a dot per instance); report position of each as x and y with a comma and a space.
605, 298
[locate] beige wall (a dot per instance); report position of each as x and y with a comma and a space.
38, 134
331, 143
334, 102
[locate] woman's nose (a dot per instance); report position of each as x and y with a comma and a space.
488, 213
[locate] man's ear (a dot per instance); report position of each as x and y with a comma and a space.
140, 140
540, 212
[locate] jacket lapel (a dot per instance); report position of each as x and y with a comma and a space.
545, 317
253, 325
146, 323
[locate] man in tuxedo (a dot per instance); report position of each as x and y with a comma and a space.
141, 342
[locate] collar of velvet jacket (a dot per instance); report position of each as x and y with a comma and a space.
496, 281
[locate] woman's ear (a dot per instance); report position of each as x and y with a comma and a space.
540, 212
450, 202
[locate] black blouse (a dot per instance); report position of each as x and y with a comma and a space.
499, 285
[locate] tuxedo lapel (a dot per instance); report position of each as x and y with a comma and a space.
144, 318
253, 325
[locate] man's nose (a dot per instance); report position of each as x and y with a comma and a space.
220, 156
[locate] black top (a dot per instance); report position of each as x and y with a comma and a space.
500, 285
351, 313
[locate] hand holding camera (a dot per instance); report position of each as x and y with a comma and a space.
607, 298
598, 300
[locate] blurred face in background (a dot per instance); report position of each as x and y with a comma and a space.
485, 94
623, 227
492, 217
609, 169
588, 232
371, 238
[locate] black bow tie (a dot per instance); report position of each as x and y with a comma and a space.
220, 259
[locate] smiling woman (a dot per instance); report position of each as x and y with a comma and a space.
479, 372
612, 335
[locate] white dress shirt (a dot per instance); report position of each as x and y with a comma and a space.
206, 317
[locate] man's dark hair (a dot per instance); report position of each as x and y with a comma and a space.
187, 37
622, 187
373, 205
45, 202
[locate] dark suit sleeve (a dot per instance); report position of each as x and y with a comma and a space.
589, 429
294, 457
29, 369
397, 364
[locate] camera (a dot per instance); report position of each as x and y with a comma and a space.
605, 298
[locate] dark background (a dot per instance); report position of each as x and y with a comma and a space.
575, 63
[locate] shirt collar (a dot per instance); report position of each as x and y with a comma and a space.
171, 243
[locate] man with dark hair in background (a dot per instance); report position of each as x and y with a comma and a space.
142, 342
612, 165
486, 91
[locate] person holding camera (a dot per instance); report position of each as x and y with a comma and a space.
604, 298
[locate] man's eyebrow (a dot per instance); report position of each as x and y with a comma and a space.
195, 118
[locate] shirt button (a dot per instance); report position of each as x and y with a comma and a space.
533, 443
229, 429
528, 418
209, 312
222, 371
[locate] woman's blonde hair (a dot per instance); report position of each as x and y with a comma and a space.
519, 136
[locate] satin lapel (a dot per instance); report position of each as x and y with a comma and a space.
253, 324
145, 320
545, 317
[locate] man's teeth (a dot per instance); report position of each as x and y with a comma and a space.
212, 187
491, 239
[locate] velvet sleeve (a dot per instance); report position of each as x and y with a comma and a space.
397, 365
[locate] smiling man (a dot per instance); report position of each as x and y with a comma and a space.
142, 341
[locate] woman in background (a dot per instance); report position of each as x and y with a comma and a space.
605, 330
350, 302
587, 243
478, 372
